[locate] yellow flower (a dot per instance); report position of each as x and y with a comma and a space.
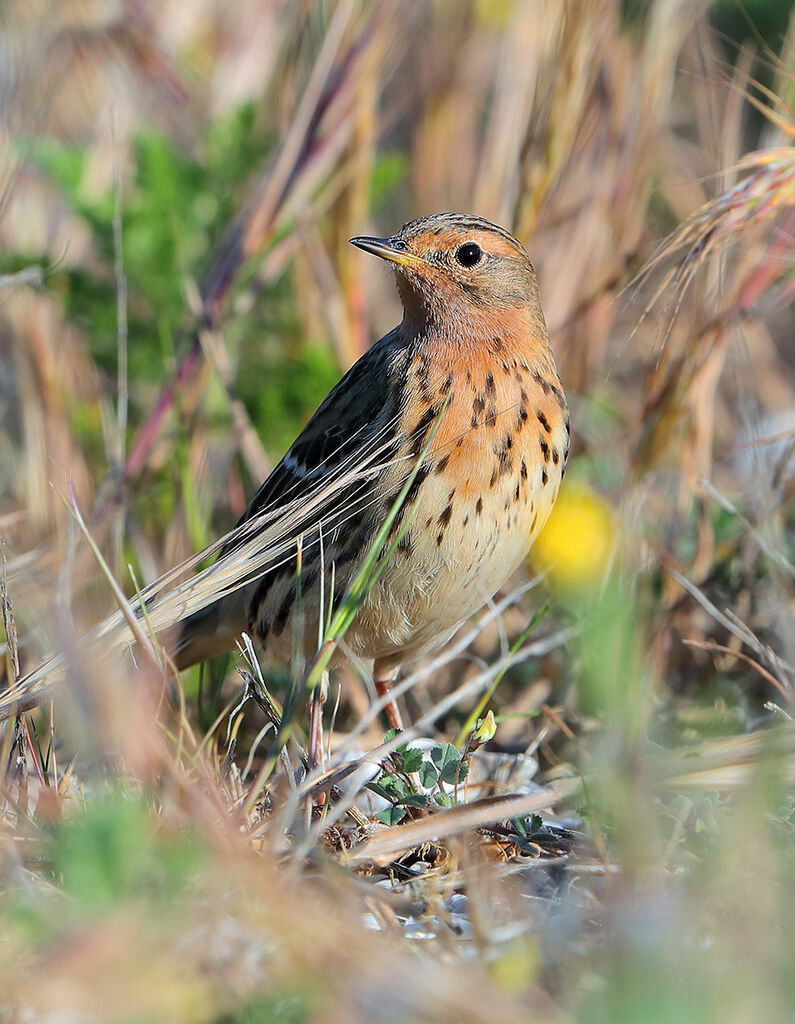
517, 966
576, 544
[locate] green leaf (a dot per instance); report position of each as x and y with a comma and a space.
445, 754
391, 815
412, 760
414, 800
455, 773
394, 785
380, 790
428, 775
519, 827
447, 759
444, 799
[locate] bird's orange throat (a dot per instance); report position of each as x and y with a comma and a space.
510, 342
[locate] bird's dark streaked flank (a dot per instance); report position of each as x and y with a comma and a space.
473, 351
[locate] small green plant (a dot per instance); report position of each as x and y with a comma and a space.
415, 778
115, 853
271, 1009
531, 832
175, 208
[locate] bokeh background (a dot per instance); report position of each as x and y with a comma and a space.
178, 181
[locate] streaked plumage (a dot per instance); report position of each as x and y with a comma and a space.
473, 334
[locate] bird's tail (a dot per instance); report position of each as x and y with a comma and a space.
211, 631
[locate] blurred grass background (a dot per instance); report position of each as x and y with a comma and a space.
178, 183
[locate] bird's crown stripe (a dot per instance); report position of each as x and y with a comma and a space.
467, 222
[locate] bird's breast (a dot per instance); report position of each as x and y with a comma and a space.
484, 491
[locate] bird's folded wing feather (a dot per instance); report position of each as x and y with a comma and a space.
354, 427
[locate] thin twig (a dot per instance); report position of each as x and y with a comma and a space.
708, 645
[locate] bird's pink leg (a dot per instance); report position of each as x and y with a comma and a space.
384, 674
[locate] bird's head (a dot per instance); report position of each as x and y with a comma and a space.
452, 267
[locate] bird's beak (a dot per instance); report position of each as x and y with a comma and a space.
393, 249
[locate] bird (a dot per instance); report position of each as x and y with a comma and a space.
467, 381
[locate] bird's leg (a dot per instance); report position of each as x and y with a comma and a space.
384, 674
314, 711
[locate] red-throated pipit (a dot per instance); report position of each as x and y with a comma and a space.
473, 352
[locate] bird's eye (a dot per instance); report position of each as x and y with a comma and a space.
468, 254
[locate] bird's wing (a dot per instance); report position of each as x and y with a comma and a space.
354, 423
314, 485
